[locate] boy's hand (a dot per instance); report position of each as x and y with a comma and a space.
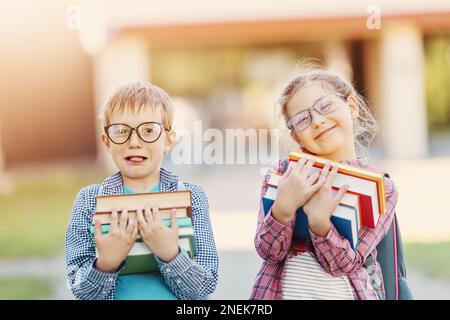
322, 205
161, 240
113, 247
296, 188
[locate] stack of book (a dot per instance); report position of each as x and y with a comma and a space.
361, 206
140, 258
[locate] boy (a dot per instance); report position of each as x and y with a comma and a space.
138, 133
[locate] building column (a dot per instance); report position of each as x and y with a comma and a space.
372, 75
119, 62
116, 61
337, 59
403, 107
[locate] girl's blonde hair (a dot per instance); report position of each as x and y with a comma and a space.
365, 126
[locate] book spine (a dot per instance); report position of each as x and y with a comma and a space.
165, 200
105, 218
350, 171
182, 223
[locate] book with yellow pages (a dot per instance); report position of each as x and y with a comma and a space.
164, 200
105, 218
366, 184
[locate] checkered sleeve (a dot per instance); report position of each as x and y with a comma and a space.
189, 279
335, 253
272, 239
84, 280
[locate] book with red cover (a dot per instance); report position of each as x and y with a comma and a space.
348, 172
368, 185
181, 201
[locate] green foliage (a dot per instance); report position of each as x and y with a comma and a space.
437, 79
430, 258
25, 289
34, 217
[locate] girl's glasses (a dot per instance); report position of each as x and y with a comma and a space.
324, 105
120, 133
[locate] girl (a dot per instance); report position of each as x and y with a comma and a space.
326, 117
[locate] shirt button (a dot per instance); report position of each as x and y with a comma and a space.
371, 270
178, 281
376, 281
168, 270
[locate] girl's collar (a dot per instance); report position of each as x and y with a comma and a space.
358, 162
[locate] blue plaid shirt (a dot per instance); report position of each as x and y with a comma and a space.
188, 279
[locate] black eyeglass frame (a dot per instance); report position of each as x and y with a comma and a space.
289, 121
137, 131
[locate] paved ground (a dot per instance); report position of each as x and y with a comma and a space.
235, 281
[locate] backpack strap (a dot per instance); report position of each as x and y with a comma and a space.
403, 291
374, 278
284, 165
386, 247
394, 230
387, 258
390, 258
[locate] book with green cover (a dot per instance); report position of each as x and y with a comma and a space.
182, 223
140, 258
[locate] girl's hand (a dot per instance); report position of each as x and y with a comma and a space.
113, 247
295, 189
161, 240
323, 203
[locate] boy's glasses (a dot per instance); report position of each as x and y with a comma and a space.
324, 105
149, 132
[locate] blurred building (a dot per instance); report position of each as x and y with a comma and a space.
60, 60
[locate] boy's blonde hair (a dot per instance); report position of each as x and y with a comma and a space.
365, 126
138, 96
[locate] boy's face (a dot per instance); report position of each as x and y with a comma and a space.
135, 158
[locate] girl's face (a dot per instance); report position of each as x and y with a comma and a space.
137, 159
329, 135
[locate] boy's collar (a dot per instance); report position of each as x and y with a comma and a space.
114, 184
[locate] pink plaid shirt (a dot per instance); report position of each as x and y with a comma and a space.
273, 242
